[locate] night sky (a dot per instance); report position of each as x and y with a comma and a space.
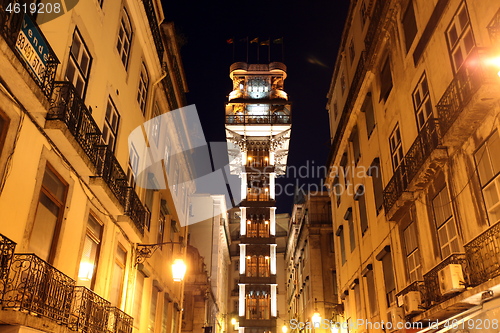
311, 31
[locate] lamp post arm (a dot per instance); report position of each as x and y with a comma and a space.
145, 251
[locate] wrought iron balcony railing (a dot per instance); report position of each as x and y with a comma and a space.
42, 68
119, 321
466, 82
494, 28
153, 25
483, 255
375, 19
68, 107
275, 119
36, 287
427, 140
89, 311
136, 210
431, 278
114, 175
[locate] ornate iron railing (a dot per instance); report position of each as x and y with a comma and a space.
281, 119
462, 88
68, 107
119, 321
7, 248
35, 286
431, 279
494, 28
136, 210
427, 140
483, 255
112, 173
153, 25
375, 19
43, 71
89, 311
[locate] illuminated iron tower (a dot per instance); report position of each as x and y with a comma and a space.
258, 124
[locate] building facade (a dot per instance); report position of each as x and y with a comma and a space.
258, 123
414, 104
210, 236
311, 281
72, 88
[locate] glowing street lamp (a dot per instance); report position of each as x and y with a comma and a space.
284, 329
316, 319
178, 270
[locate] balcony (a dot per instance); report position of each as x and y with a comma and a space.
494, 28
41, 67
431, 279
68, 113
483, 255
119, 321
153, 25
89, 311
408, 176
258, 119
31, 286
38, 288
468, 99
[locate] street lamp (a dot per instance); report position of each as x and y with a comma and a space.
316, 319
145, 251
178, 270
284, 329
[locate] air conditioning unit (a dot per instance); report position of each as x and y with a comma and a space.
451, 279
395, 319
412, 301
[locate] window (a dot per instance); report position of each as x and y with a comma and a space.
124, 38
371, 290
363, 217
4, 126
488, 166
335, 110
352, 51
167, 311
390, 286
355, 145
156, 124
133, 166
396, 147
412, 253
409, 25
152, 308
118, 276
459, 37
257, 266
258, 305
378, 189
385, 80
111, 123
352, 233
340, 234
445, 223
343, 84
337, 190
363, 13
367, 108
48, 216
139, 286
90, 253
142, 93
162, 220
79, 63
422, 102
344, 169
